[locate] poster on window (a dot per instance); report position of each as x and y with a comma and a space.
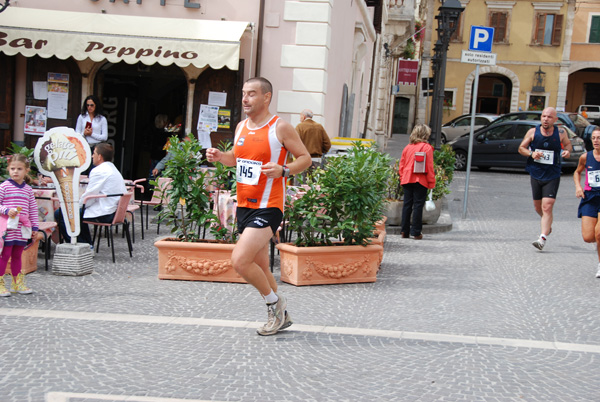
224, 118
35, 120
408, 71
208, 121
58, 95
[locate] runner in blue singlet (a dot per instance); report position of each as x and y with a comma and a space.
544, 146
589, 207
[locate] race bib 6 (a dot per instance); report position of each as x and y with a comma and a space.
593, 177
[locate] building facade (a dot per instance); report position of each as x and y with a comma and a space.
584, 69
145, 58
532, 43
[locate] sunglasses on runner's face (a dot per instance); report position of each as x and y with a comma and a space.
90, 105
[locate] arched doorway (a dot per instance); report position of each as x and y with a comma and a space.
133, 95
512, 91
583, 87
493, 95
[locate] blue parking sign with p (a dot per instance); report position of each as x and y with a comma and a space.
481, 39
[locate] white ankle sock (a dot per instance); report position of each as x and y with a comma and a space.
271, 298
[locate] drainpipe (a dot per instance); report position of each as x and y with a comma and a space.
368, 111
259, 35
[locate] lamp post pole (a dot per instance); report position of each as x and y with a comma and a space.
448, 16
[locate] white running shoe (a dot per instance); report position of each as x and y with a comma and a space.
276, 313
598, 273
539, 243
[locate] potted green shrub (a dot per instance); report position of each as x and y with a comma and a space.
333, 221
189, 213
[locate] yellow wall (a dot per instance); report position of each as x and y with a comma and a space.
580, 49
519, 56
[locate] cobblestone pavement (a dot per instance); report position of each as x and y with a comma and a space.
474, 314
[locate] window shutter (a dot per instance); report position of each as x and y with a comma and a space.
498, 22
595, 30
456, 34
539, 29
557, 31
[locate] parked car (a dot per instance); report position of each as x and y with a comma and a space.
593, 112
564, 118
497, 146
580, 123
462, 125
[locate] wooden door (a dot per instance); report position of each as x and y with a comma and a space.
37, 70
400, 120
7, 95
223, 80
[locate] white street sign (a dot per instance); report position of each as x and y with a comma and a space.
488, 59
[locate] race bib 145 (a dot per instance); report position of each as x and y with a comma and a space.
248, 171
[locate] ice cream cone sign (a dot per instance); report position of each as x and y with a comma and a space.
63, 154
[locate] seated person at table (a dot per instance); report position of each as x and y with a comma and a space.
104, 179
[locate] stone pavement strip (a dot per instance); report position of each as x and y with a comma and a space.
474, 314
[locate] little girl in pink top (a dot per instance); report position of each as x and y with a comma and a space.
18, 222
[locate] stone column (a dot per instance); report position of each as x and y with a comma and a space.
563, 75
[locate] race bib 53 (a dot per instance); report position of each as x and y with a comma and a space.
547, 157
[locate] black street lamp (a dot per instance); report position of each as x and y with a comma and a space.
448, 16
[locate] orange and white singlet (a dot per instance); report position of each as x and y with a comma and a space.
252, 149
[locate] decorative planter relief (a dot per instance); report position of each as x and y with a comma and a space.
329, 264
196, 261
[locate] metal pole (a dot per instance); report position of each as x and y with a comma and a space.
470, 151
428, 99
440, 99
434, 93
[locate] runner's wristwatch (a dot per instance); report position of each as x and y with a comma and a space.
286, 171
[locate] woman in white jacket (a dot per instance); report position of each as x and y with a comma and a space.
91, 123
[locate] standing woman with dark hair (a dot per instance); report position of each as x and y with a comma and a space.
91, 123
417, 175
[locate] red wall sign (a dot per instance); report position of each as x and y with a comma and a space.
408, 71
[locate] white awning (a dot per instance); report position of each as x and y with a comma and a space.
116, 38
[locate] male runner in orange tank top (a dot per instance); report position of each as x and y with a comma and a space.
260, 147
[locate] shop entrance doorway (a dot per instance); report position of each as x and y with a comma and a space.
494, 94
133, 97
401, 115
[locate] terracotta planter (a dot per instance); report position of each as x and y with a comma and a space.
379, 241
329, 264
29, 258
202, 261
380, 225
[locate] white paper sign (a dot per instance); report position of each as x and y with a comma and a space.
209, 118
40, 90
58, 95
204, 139
217, 98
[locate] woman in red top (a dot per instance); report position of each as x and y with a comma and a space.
416, 176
